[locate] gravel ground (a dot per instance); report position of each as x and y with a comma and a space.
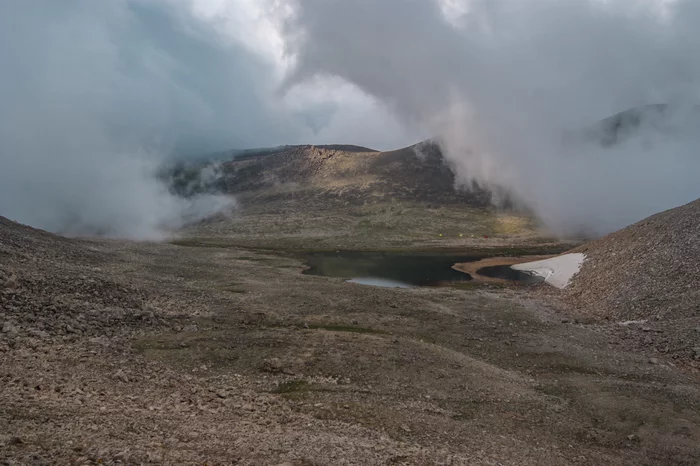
141, 353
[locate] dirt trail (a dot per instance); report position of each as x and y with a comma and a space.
182, 355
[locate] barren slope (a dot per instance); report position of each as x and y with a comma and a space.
647, 271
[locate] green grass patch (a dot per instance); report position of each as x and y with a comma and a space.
476, 285
295, 250
199, 243
291, 386
347, 328
254, 258
426, 339
232, 288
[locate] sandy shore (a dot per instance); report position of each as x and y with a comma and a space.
472, 268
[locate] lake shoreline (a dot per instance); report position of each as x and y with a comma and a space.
472, 268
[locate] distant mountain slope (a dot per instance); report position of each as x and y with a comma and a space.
339, 197
247, 154
349, 174
624, 125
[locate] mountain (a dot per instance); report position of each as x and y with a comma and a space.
658, 118
338, 174
350, 197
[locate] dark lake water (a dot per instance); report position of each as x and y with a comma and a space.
390, 269
404, 270
505, 272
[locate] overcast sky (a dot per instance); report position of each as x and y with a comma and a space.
96, 94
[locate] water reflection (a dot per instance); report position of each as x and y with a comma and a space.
407, 269
507, 273
381, 282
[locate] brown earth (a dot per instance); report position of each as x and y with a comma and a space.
126, 353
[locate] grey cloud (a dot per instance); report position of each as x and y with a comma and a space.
95, 95
501, 86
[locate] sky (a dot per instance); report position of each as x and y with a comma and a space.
98, 95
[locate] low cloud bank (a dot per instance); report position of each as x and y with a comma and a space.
95, 96
503, 84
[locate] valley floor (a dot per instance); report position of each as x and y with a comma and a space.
316, 224
238, 358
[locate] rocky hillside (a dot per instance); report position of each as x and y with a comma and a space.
647, 272
52, 288
348, 175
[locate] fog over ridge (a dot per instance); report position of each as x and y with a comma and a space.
98, 95
500, 84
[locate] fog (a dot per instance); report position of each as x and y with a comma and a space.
501, 82
97, 95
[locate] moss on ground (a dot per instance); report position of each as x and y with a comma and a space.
291, 386
346, 328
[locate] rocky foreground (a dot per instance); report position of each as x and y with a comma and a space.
131, 353
74, 392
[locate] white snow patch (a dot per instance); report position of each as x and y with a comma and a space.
556, 271
627, 323
381, 282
